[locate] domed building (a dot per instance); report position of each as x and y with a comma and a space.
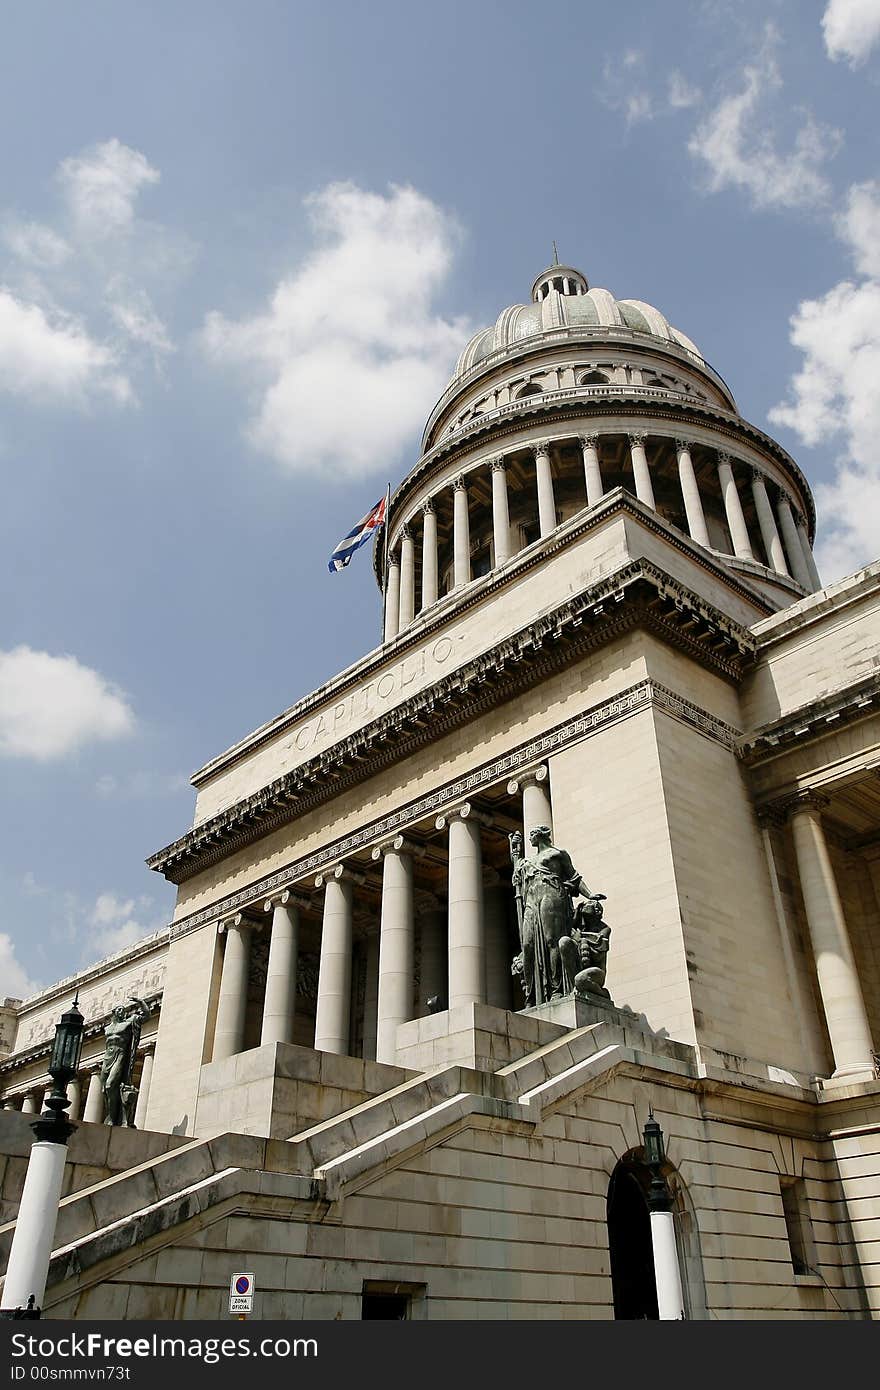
370, 1072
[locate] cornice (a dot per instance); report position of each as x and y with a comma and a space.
637, 595
646, 694
811, 721
461, 600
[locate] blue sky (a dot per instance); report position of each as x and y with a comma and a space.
240, 248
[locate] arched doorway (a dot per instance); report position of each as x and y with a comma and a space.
631, 1248
629, 1238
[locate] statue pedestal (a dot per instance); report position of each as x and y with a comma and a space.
578, 1011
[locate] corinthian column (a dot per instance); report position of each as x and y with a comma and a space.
690, 492
333, 1012
546, 500
407, 578
429, 555
279, 1007
769, 533
461, 543
736, 521
839, 987
793, 547
232, 1004
467, 929
592, 474
500, 512
641, 471
392, 597
396, 945
808, 552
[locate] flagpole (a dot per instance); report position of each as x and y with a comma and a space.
385, 560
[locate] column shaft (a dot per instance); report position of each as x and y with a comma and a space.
546, 500
839, 987
461, 560
767, 523
796, 563
143, 1100
279, 1007
392, 599
736, 520
94, 1111
592, 471
29, 1105
429, 557
396, 952
690, 492
467, 936
641, 471
74, 1090
334, 977
232, 1004
667, 1275
498, 955
407, 579
500, 512
809, 558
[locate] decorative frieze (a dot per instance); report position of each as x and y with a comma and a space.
637, 698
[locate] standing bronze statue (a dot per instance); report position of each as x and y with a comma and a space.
563, 945
121, 1037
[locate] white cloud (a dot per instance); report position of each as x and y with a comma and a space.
16, 982
115, 923
36, 244
627, 86
101, 185
834, 395
736, 142
349, 355
682, 93
851, 28
55, 361
51, 706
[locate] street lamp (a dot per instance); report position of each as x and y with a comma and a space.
670, 1300
28, 1268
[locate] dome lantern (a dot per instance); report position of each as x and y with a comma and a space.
562, 278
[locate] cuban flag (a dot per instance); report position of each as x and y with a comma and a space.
358, 536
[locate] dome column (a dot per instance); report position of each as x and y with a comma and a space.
461, 572
546, 500
736, 520
429, 555
767, 523
407, 578
690, 492
392, 597
807, 549
641, 471
796, 562
500, 512
592, 473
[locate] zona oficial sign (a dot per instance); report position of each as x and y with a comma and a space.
241, 1293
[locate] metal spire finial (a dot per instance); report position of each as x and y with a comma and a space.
555, 255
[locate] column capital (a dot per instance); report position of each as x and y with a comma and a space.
406, 533
427, 506
498, 464
806, 800
466, 811
400, 844
459, 484
240, 920
393, 557
339, 873
532, 775
541, 446
286, 899
589, 440
722, 457
638, 437
682, 444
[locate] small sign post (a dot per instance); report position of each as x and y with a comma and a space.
241, 1295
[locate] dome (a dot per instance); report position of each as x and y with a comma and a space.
562, 298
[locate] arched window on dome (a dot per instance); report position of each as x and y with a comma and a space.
595, 379
653, 381
530, 389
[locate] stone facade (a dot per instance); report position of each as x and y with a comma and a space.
601, 613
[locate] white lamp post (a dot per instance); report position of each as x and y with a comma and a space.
28, 1268
667, 1275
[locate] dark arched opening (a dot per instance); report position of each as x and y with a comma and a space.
594, 379
530, 390
629, 1238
